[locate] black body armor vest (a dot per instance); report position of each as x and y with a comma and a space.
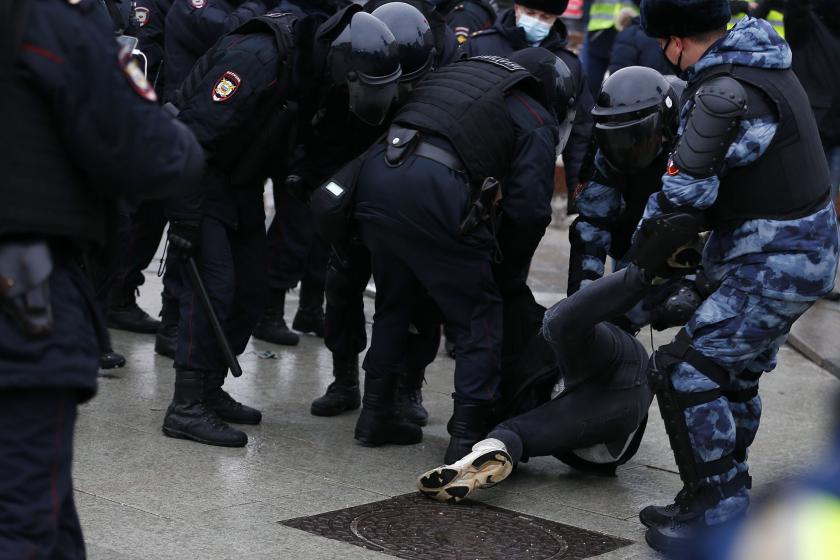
464, 103
43, 192
790, 180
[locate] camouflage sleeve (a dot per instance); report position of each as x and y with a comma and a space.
681, 189
590, 235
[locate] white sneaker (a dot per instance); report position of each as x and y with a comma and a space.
487, 465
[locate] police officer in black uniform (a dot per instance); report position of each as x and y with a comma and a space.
446, 45
76, 118
447, 152
505, 37
349, 273
243, 99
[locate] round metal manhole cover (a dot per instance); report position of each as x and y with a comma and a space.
457, 533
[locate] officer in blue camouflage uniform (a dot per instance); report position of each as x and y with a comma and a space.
636, 119
758, 177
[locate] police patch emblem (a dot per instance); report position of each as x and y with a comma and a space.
141, 15
137, 78
226, 86
198, 4
672, 168
462, 34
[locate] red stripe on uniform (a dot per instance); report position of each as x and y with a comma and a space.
530, 109
34, 49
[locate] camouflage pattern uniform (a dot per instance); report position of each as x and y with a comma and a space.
769, 273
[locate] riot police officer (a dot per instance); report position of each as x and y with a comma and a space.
432, 235
243, 99
86, 129
636, 119
749, 163
466, 17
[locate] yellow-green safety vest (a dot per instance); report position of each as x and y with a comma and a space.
602, 13
774, 18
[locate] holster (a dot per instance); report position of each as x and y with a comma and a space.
483, 206
25, 268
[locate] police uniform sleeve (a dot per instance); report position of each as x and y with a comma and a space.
590, 236
107, 113
578, 143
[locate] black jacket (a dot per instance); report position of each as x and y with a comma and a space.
504, 38
632, 47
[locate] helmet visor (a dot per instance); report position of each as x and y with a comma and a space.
566, 124
372, 102
630, 146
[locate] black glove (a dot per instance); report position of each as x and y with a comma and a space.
184, 238
298, 187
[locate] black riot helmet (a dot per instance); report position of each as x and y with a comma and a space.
415, 41
558, 84
636, 115
364, 56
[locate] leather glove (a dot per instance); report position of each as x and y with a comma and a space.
184, 238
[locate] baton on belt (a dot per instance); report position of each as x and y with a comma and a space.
221, 338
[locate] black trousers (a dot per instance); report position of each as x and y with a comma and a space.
231, 263
38, 519
140, 228
407, 273
296, 252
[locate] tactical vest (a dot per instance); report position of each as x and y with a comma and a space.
790, 180
43, 192
252, 145
464, 102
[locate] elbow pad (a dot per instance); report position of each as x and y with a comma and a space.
719, 106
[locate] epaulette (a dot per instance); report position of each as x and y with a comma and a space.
484, 32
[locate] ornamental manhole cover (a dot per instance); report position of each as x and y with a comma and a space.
415, 528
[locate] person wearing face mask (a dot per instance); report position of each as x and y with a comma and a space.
749, 167
536, 23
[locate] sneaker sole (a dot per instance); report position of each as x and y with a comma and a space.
446, 484
177, 434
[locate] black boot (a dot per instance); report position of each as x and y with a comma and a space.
469, 425
380, 423
189, 418
111, 360
310, 314
343, 393
410, 398
272, 326
166, 340
228, 409
124, 314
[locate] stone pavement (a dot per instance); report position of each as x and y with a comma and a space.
143, 496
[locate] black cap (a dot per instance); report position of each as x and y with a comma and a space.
683, 18
555, 7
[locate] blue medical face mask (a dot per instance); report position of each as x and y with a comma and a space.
535, 30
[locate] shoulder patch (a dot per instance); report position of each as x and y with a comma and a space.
508, 65
672, 169
226, 86
198, 4
137, 78
141, 15
462, 34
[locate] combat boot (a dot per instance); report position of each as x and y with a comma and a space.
379, 422
343, 393
310, 314
124, 314
166, 341
410, 398
111, 360
468, 425
220, 402
188, 417
664, 516
272, 326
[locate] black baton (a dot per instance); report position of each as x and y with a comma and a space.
198, 287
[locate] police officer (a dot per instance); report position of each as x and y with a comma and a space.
466, 17
349, 267
241, 99
446, 151
587, 406
536, 23
749, 162
446, 44
76, 116
636, 118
